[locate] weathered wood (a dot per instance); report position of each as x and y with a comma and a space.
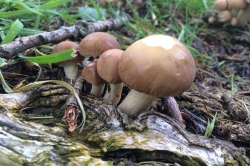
108, 132
80, 29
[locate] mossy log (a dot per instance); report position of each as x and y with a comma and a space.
32, 133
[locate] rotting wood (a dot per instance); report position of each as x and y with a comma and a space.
107, 132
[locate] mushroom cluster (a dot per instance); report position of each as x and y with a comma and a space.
232, 12
155, 66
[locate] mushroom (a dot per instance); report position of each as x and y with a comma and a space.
224, 16
239, 4
70, 66
244, 16
89, 73
220, 5
107, 68
94, 44
155, 66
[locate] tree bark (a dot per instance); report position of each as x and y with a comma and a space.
109, 136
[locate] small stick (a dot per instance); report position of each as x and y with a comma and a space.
72, 111
80, 29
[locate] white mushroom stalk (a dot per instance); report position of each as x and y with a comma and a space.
155, 66
135, 103
107, 68
96, 90
114, 94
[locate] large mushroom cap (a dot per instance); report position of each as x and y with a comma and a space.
96, 43
157, 65
107, 65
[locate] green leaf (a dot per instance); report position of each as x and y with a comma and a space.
89, 13
6, 87
210, 126
54, 3
52, 58
2, 62
15, 28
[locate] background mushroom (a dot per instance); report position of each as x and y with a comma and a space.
155, 66
107, 68
89, 73
232, 12
70, 66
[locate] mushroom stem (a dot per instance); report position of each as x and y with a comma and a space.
136, 102
71, 70
114, 95
96, 90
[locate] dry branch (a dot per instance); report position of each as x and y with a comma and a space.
80, 29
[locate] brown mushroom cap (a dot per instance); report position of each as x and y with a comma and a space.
64, 46
107, 65
89, 73
157, 65
224, 16
237, 4
96, 43
220, 5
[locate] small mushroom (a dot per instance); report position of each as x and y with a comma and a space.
155, 66
94, 44
70, 66
107, 68
89, 73
224, 16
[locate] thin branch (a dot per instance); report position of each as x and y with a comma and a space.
80, 29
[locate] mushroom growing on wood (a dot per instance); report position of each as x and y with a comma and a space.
89, 73
155, 66
94, 44
70, 66
107, 68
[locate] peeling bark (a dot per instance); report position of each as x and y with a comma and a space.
108, 132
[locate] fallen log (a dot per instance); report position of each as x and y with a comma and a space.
109, 136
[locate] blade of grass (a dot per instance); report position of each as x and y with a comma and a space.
52, 58
15, 28
19, 2
210, 126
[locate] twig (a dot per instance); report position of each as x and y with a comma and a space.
80, 29
72, 112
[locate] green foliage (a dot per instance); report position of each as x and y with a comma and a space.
210, 126
14, 30
52, 58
